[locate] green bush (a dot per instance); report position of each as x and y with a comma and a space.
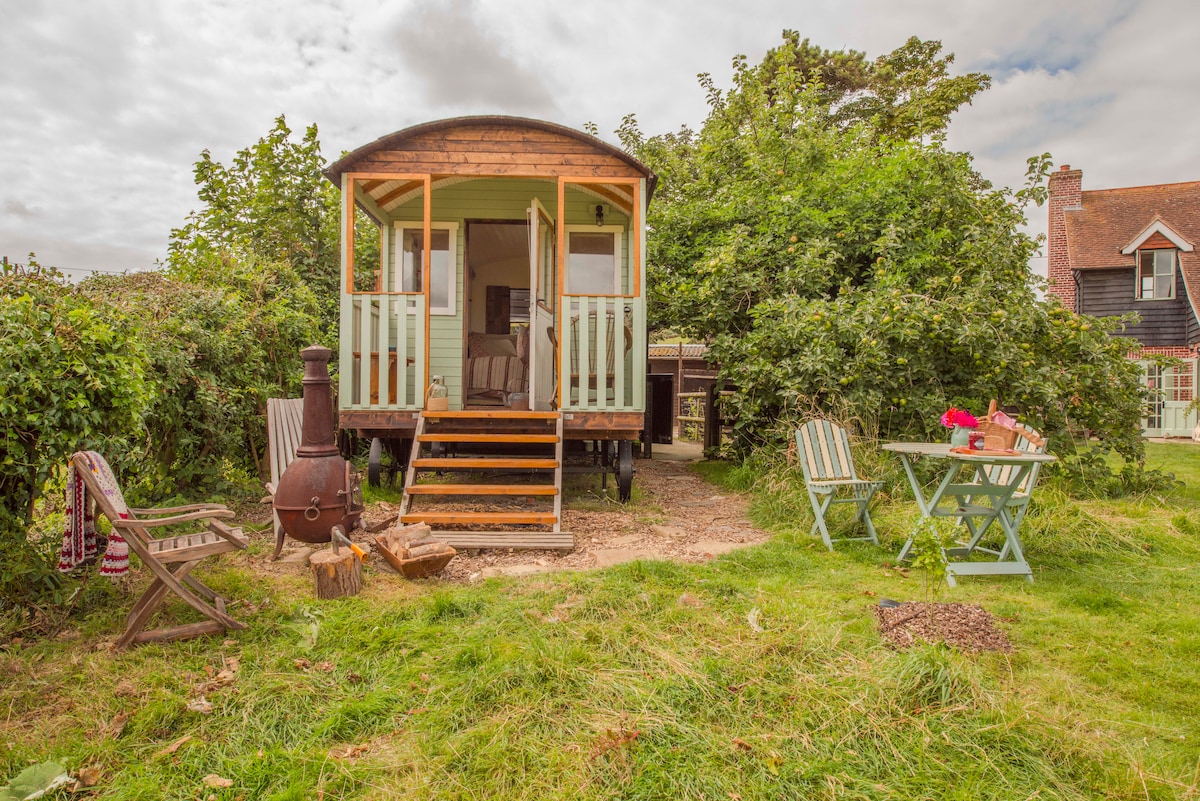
69, 380
220, 337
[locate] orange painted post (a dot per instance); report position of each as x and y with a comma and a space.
426, 270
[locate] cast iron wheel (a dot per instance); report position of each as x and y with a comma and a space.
374, 461
387, 460
624, 470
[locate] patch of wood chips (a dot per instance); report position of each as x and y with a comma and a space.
698, 521
682, 518
964, 626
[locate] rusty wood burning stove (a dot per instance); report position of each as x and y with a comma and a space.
319, 497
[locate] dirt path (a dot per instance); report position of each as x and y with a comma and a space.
682, 518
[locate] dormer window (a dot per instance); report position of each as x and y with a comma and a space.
1155, 274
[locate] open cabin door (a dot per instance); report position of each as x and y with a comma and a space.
543, 295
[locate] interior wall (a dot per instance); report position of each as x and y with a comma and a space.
486, 267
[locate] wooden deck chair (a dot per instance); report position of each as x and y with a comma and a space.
285, 423
828, 467
170, 559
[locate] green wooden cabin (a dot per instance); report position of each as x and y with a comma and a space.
511, 263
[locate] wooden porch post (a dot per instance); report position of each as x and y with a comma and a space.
427, 276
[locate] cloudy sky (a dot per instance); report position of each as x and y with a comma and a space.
105, 105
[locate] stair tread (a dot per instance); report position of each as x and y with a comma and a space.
498, 518
490, 438
490, 414
481, 427
523, 539
483, 489
483, 462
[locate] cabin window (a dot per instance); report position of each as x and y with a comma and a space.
443, 262
1156, 274
594, 260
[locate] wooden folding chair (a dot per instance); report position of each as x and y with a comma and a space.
170, 559
1026, 440
285, 425
828, 467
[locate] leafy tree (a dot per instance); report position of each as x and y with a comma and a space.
838, 257
272, 204
68, 381
221, 335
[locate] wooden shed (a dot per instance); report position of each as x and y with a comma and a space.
512, 265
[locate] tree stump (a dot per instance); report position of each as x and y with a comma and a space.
336, 574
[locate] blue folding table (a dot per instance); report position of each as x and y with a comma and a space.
977, 495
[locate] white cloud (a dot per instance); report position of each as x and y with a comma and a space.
109, 103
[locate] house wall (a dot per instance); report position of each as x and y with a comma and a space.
1164, 323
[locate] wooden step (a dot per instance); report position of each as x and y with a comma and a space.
483, 489
452, 463
549, 439
549, 540
490, 415
486, 518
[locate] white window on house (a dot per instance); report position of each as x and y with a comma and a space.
1181, 384
1155, 274
410, 239
1154, 407
593, 260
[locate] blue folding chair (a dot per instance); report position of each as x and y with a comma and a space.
830, 478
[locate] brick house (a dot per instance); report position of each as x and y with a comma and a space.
1114, 251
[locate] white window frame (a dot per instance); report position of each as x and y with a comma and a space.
618, 232
1139, 292
452, 274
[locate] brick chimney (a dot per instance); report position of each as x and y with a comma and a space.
1066, 192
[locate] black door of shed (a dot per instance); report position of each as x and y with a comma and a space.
660, 408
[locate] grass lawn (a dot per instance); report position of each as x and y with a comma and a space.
649, 681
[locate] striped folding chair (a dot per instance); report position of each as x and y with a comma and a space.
285, 429
830, 478
1026, 440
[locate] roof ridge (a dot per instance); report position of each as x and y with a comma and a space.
1142, 187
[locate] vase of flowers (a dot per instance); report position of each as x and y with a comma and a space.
960, 422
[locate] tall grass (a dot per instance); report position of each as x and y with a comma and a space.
647, 680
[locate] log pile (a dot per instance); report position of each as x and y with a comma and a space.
413, 551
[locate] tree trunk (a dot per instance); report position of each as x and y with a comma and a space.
336, 574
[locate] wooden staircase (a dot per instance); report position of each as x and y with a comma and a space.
493, 444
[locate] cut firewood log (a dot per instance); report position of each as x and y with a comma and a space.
337, 575
426, 550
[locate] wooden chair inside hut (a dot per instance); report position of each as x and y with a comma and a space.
999, 435
171, 559
285, 427
830, 477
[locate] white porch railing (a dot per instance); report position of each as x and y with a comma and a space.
382, 355
603, 358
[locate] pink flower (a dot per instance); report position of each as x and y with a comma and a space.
959, 417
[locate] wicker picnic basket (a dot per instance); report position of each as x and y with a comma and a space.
996, 436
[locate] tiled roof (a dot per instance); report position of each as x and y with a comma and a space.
671, 351
1110, 219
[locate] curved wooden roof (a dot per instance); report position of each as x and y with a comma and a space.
492, 146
